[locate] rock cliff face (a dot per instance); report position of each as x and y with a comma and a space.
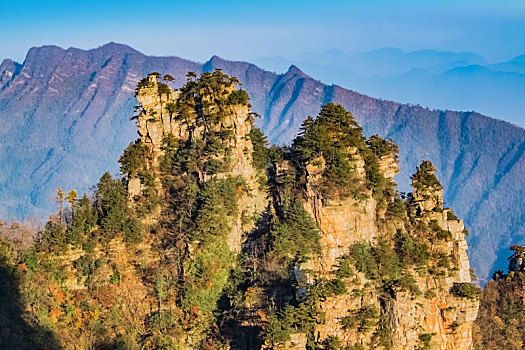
342, 222
397, 268
433, 317
157, 122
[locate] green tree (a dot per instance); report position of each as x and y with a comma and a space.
53, 237
133, 158
294, 233
238, 97
334, 129
260, 149
424, 178
172, 109
331, 137
84, 220
207, 273
168, 78
381, 147
113, 212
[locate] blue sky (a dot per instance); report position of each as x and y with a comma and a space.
248, 29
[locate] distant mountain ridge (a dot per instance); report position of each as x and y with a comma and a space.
438, 79
385, 62
64, 120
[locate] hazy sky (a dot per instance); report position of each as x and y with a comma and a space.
247, 29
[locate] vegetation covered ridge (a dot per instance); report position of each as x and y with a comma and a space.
501, 321
211, 239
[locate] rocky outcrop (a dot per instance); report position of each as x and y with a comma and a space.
155, 121
434, 317
448, 317
158, 119
341, 222
517, 260
8, 70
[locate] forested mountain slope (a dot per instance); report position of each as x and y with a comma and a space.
64, 117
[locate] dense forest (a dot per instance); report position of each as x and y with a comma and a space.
501, 319
212, 239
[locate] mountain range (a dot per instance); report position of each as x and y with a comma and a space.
437, 79
64, 121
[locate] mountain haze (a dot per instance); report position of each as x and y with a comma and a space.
386, 62
64, 120
438, 79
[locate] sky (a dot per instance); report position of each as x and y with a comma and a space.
243, 30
